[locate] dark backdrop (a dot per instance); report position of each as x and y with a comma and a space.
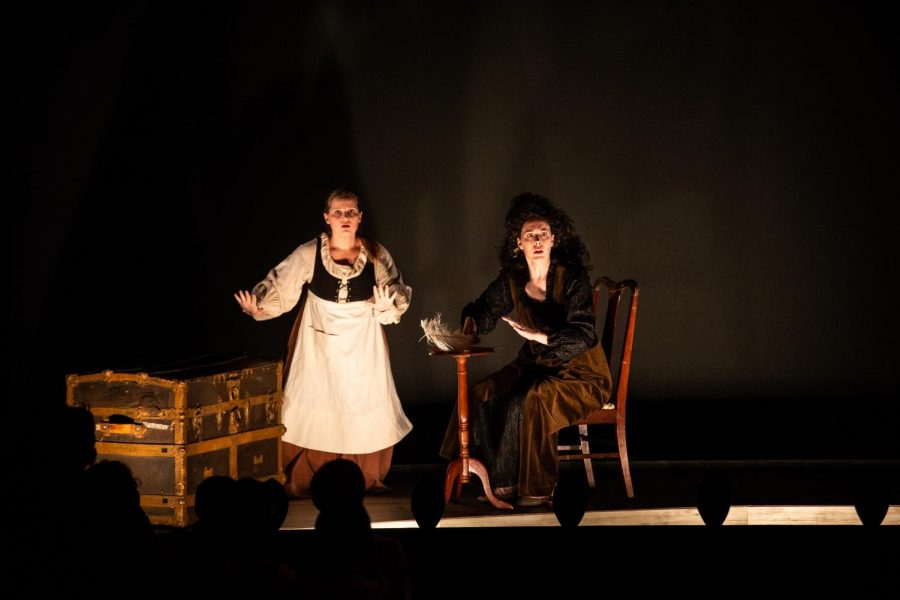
737, 160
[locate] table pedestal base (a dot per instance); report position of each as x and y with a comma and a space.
454, 481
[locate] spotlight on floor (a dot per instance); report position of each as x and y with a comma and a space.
872, 501
427, 502
713, 501
570, 501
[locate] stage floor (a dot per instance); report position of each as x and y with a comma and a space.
806, 536
792, 492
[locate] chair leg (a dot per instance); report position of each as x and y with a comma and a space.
623, 458
586, 450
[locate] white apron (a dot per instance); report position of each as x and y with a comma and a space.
340, 395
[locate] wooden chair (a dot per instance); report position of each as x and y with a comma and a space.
613, 413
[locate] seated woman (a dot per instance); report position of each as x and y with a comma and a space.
560, 374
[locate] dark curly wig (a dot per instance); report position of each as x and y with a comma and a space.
567, 246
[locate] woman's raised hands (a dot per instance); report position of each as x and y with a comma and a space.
381, 300
248, 302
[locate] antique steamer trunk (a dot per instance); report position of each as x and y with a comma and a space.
168, 474
175, 425
181, 403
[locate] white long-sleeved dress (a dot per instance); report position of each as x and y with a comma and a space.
340, 395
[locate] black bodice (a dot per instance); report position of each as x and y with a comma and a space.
328, 287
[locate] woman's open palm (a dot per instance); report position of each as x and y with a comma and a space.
248, 302
381, 299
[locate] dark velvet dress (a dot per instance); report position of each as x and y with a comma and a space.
518, 410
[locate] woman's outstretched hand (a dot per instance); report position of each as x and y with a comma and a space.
249, 303
527, 332
381, 300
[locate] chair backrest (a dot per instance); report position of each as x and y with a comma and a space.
616, 291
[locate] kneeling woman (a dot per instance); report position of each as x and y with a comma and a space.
560, 374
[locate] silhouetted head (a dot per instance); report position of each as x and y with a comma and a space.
109, 493
277, 503
338, 484
253, 509
262, 505
76, 439
570, 501
872, 501
427, 502
350, 519
112, 486
713, 500
216, 499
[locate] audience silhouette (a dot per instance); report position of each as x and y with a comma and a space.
350, 561
427, 502
570, 500
54, 492
233, 543
111, 541
713, 501
92, 535
872, 500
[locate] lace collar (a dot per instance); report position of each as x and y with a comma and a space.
342, 271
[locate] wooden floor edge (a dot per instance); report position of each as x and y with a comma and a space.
738, 515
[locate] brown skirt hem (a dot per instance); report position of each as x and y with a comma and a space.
302, 463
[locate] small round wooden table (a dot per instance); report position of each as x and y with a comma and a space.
459, 470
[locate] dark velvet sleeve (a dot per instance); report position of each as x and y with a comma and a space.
577, 335
492, 304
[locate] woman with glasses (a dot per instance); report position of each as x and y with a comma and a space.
560, 374
339, 394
